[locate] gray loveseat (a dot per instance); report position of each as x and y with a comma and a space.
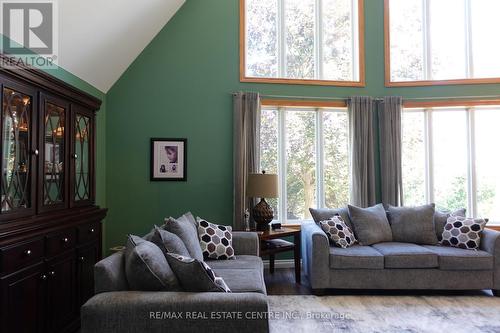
114, 308
393, 265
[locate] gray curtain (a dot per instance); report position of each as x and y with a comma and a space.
389, 122
246, 153
361, 139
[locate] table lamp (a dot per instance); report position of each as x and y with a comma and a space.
262, 185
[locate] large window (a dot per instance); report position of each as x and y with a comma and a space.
442, 40
308, 149
302, 41
448, 158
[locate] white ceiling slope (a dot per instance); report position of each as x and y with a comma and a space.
99, 39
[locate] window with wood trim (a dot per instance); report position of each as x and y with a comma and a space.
302, 41
308, 148
447, 158
441, 42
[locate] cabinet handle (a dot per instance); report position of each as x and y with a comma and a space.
27, 252
65, 240
81, 259
75, 156
35, 152
43, 277
52, 273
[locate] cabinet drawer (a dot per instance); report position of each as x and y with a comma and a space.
88, 232
60, 242
21, 255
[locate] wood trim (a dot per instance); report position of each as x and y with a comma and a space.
303, 103
362, 65
450, 103
47, 82
494, 227
421, 83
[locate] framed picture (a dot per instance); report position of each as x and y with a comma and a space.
168, 159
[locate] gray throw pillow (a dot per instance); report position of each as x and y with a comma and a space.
168, 242
187, 229
146, 268
324, 214
441, 217
413, 224
370, 224
462, 232
195, 275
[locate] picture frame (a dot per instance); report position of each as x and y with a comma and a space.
168, 159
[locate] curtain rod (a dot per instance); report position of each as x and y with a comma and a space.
378, 98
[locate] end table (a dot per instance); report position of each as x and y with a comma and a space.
271, 244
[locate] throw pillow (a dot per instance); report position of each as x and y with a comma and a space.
370, 224
168, 242
463, 232
323, 214
440, 219
413, 224
186, 228
338, 232
195, 275
146, 268
216, 241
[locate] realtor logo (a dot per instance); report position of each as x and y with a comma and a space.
28, 28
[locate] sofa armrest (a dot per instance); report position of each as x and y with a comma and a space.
490, 242
138, 311
246, 243
315, 255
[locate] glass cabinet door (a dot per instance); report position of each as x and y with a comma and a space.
82, 157
17, 152
53, 177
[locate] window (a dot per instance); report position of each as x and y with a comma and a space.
302, 41
447, 158
441, 40
308, 148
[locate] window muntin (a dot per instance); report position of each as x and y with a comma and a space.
309, 148
447, 159
302, 41
441, 40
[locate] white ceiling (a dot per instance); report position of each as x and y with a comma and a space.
99, 39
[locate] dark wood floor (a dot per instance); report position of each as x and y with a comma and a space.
282, 282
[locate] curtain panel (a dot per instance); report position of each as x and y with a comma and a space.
246, 151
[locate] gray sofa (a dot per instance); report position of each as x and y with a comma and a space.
393, 265
114, 308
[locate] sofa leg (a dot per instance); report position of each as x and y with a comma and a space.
495, 292
319, 292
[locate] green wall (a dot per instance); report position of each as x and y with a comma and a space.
180, 87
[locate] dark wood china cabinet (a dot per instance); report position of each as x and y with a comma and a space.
50, 227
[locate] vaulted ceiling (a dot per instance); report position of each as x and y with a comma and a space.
99, 39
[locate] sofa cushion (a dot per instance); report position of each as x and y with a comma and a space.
216, 241
323, 214
440, 219
186, 228
452, 258
356, 257
413, 224
168, 242
370, 224
146, 267
195, 275
242, 280
463, 232
240, 261
339, 233
406, 255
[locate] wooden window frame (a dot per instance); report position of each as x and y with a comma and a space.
361, 56
387, 61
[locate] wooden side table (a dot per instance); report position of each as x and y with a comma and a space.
271, 244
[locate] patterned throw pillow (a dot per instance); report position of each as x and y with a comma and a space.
195, 275
216, 241
338, 232
462, 232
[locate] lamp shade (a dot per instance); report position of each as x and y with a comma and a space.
262, 185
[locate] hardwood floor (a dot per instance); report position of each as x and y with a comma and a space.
282, 282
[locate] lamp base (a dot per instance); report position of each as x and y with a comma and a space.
262, 214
